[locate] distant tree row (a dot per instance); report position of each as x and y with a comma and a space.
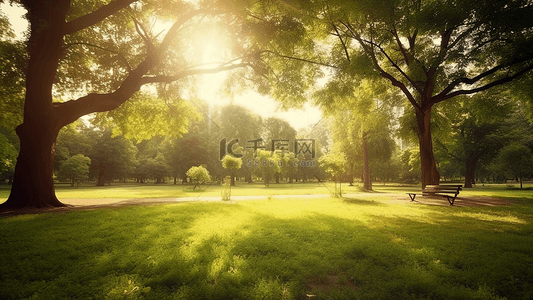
102, 153
487, 138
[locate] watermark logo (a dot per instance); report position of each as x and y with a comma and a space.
301, 148
305, 146
227, 148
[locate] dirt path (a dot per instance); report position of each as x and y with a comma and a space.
464, 201
90, 204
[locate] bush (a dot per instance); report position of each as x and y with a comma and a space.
198, 175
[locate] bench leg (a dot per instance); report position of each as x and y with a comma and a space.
451, 199
412, 196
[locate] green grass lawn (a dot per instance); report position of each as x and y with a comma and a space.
271, 249
131, 190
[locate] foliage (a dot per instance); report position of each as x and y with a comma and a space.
102, 54
231, 163
269, 163
363, 124
289, 165
151, 168
8, 156
114, 156
192, 149
334, 164
275, 129
143, 117
73, 139
478, 127
410, 170
516, 160
428, 51
13, 64
75, 169
199, 175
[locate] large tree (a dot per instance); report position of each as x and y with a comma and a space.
363, 114
107, 50
430, 50
479, 127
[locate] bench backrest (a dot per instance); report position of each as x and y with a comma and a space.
443, 189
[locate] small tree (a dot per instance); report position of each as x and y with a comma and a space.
334, 163
232, 164
75, 169
290, 166
269, 162
198, 175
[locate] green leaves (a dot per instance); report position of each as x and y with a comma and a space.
231, 163
8, 155
199, 175
13, 63
75, 169
144, 116
333, 163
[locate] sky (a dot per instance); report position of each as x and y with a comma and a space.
209, 91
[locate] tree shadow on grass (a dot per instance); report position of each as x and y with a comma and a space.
359, 201
163, 253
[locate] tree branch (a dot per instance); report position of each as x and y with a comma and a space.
298, 59
418, 89
72, 110
121, 57
189, 72
479, 77
400, 44
96, 16
342, 42
370, 51
441, 97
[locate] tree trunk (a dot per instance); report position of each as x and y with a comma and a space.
33, 184
367, 181
101, 177
351, 174
470, 171
430, 175
232, 179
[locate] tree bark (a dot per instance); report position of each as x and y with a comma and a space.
101, 177
470, 172
430, 175
367, 181
33, 184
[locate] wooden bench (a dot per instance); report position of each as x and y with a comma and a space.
448, 191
